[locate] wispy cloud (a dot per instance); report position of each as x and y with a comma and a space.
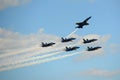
13, 41
100, 73
8, 3
88, 55
114, 48
94, 74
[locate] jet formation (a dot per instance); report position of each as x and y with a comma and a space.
65, 40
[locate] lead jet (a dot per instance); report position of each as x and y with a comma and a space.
81, 24
89, 40
67, 39
93, 48
71, 48
47, 44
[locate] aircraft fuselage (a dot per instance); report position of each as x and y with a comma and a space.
47, 44
92, 49
71, 48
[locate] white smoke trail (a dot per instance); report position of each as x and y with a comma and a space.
77, 44
19, 52
27, 57
40, 61
36, 49
14, 59
30, 59
45, 59
72, 32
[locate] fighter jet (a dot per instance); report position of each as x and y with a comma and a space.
47, 44
89, 40
81, 24
71, 48
93, 48
67, 39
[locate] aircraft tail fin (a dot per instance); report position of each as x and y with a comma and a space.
66, 47
88, 47
42, 43
62, 38
87, 40
84, 40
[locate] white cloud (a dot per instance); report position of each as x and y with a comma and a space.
8, 3
105, 38
100, 73
13, 41
88, 55
94, 74
114, 48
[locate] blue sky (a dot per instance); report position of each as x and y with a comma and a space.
58, 18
